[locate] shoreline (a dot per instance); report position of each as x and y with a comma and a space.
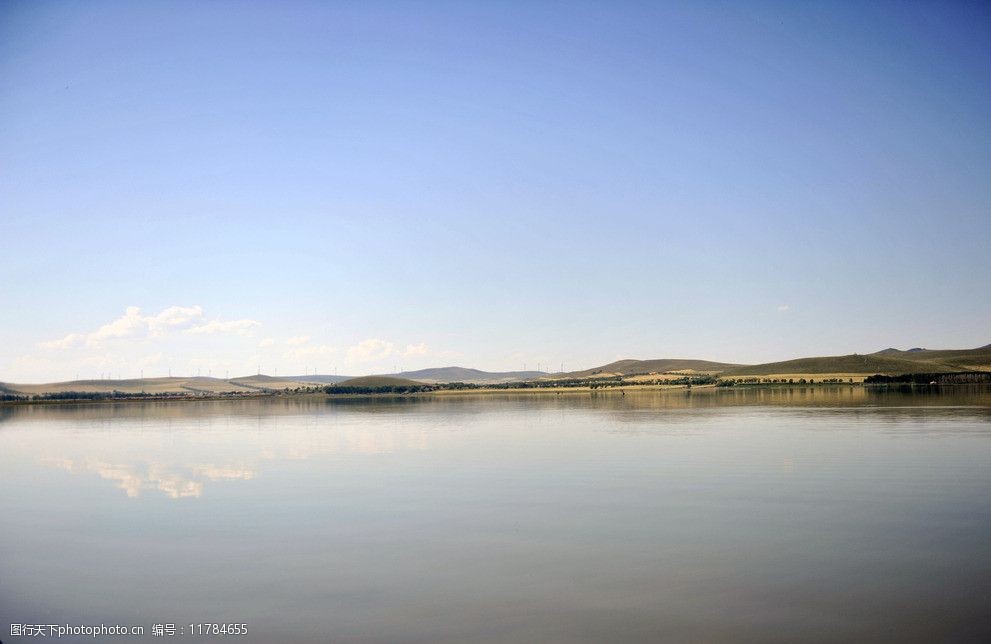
459, 393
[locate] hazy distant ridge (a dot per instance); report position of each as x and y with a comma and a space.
319, 378
464, 374
631, 367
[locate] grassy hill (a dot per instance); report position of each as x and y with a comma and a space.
176, 385
379, 381
317, 379
634, 367
851, 364
158, 386
264, 382
956, 359
195, 385
463, 374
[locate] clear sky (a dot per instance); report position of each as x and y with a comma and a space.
360, 186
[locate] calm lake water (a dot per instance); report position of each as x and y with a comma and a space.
775, 515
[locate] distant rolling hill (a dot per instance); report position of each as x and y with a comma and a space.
957, 359
176, 385
888, 362
263, 382
379, 381
170, 385
634, 367
463, 374
317, 378
852, 364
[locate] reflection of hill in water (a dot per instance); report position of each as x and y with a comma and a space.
711, 397
468, 404
184, 449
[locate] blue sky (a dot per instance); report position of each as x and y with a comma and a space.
362, 186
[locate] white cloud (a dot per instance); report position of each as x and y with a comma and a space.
68, 341
298, 340
240, 327
416, 349
784, 307
130, 325
174, 316
370, 349
267, 342
133, 325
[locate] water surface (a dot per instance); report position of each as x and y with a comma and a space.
761, 515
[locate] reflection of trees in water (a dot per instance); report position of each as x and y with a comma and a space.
942, 395
653, 406
888, 406
473, 404
163, 409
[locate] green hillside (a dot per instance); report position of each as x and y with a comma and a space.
852, 364
323, 379
463, 374
633, 367
151, 386
958, 359
264, 382
379, 381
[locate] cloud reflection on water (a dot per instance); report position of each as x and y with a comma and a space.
191, 462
